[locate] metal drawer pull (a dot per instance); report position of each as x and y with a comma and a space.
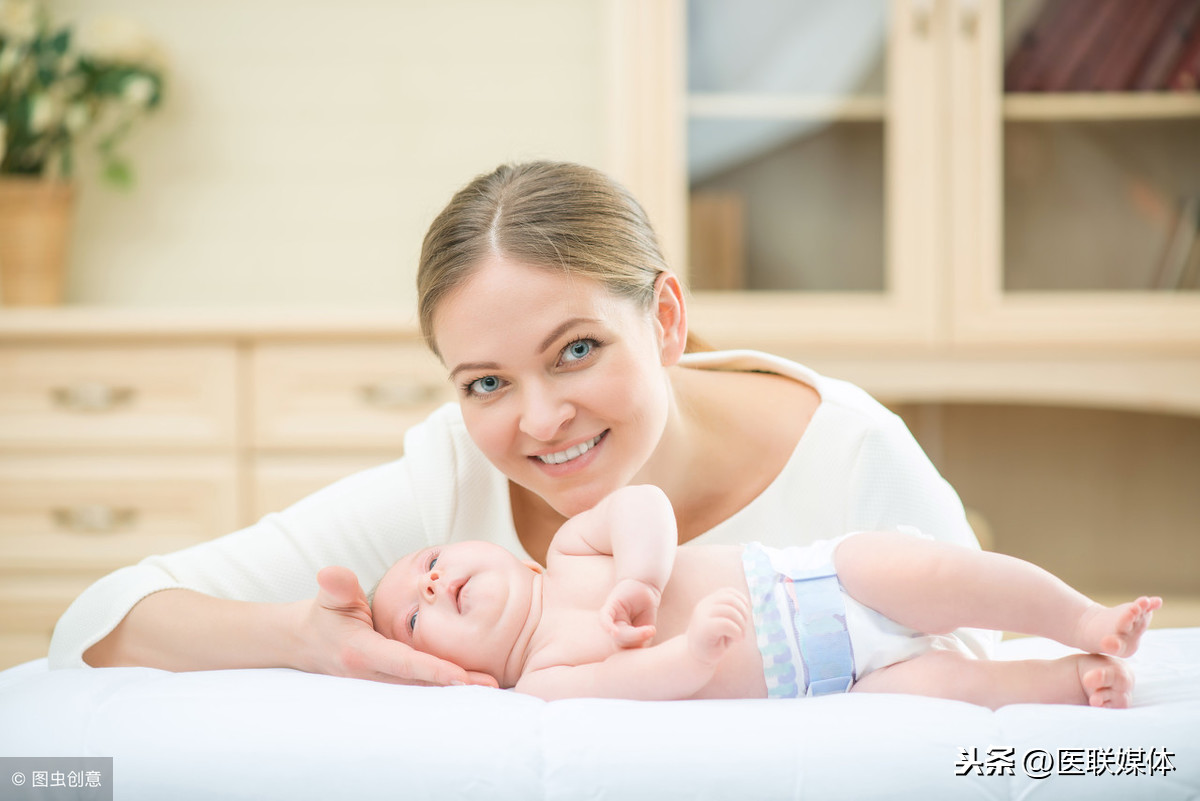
93, 518
399, 394
91, 396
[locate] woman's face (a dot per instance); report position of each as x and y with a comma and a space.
562, 384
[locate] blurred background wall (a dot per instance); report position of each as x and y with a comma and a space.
304, 145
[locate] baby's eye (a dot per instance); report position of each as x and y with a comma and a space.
412, 622
579, 349
432, 562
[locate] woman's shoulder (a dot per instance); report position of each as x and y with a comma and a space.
834, 393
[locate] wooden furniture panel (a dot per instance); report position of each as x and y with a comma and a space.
280, 481
343, 395
97, 513
82, 397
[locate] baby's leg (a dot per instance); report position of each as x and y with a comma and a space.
936, 587
1078, 679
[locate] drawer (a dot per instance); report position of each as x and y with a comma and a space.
96, 513
280, 481
81, 397
344, 395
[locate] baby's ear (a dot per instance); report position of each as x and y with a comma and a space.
532, 565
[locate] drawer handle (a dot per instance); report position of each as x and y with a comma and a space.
399, 395
91, 396
93, 518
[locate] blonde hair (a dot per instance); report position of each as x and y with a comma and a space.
547, 214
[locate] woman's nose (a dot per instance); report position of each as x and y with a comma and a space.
544, 414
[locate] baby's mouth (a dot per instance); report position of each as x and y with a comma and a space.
456, 592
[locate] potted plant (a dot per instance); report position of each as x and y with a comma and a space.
60, 88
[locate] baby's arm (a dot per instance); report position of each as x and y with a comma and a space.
670, 671
636, 526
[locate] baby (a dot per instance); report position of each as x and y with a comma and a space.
870, 611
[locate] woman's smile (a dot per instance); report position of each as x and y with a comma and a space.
572, 458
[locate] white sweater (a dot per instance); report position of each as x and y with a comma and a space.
856, 467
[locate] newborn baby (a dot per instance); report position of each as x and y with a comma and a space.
621, 611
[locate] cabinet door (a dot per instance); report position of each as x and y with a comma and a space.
1076, 173
812, 178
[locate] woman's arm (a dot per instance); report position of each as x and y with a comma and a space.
252, 597
330, 634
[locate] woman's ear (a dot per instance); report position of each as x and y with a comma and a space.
670, 316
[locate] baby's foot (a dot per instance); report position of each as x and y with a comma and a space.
1106, 682
1116, 630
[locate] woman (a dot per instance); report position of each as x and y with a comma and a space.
542, 290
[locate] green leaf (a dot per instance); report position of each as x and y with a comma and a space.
119, 173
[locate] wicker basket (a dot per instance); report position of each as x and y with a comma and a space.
35, 230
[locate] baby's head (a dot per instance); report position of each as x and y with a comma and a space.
466, 602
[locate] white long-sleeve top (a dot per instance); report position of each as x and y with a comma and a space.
856, 468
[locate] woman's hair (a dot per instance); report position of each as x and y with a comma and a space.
547, 214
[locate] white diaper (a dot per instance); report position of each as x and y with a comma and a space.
876, 641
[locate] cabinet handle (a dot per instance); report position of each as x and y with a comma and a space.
969, 12
399, 394
93, 518
922, 16
91, 396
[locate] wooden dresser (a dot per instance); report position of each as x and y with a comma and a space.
127, 433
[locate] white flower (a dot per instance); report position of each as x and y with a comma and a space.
18, 20
138, 90
77, 117
44, 113
9, 58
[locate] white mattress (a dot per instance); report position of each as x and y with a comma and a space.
265, 734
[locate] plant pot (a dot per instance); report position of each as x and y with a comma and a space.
35, 230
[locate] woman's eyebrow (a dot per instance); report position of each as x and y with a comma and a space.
473, 366
563, 328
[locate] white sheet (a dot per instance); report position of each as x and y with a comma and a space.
264, 734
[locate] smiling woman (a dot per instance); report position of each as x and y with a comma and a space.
543, 291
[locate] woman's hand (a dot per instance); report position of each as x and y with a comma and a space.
630, 612
337, 638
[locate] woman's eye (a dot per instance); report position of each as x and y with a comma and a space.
579, 349
484, 386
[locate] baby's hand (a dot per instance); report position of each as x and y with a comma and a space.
630, 612
720, 619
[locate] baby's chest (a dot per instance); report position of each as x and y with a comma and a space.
572, 636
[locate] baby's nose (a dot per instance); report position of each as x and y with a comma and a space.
428, 581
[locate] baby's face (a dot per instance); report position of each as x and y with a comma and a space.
466, 602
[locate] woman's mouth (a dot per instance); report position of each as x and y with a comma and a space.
573, 452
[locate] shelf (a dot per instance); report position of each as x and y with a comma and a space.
1101, 106
839, 108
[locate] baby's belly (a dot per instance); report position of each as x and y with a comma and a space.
698, 573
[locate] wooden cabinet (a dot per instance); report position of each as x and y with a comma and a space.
895, 207
124, 435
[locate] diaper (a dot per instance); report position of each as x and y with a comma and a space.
814, 638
